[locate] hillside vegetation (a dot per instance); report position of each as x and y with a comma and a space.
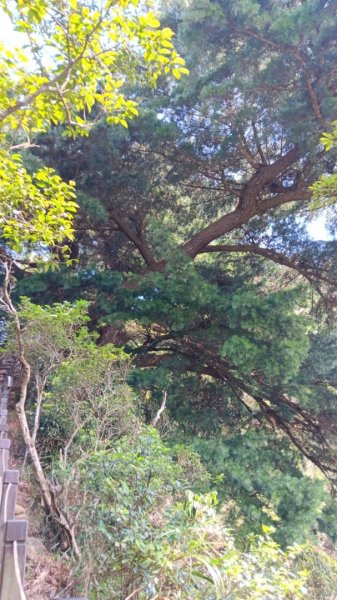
172, 319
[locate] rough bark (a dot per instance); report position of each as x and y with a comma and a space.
250, 203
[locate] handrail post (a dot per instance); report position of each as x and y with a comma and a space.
3, 430
8, 498
4, 387
13, 561
5, 445
3, 416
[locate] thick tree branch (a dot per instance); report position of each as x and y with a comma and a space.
272, 255
266, 175
300, 427
239, 217
249, 205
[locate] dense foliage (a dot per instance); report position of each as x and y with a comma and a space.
127, 493
194, 299
79, 58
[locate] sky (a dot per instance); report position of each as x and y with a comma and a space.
316, 229
7, 35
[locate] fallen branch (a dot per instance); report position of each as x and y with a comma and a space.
160, 411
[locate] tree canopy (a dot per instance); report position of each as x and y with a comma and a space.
77, 56
189, 245
195, 217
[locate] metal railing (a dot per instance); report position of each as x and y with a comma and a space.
13, 532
